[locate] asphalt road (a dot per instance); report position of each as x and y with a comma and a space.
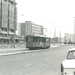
34, 62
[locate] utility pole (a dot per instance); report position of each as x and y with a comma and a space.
45, 30
8, 24
54, 35
60, 35
14, 22
50, 34
25, 34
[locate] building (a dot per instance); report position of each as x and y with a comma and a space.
29, 28
68, 38
8, 20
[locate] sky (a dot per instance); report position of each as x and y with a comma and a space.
48, 13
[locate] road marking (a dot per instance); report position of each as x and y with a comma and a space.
27, 65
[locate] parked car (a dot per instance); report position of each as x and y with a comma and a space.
68, 65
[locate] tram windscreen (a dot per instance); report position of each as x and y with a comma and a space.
29, 39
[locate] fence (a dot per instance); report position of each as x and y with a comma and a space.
17, 45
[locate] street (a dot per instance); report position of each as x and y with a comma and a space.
34, 62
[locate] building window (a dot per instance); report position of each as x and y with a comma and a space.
12, 30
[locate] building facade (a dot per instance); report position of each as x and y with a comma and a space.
8, 19
68, 38
29, 28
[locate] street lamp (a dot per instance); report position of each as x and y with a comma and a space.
54, 34
60, 34
51, 29
45, 29
14, 24
25, 34
14, 21
22, 18
51, 32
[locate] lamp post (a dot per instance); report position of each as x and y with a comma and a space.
54, 35
24, 28
45, 29
60, 35
50, 34
14, 21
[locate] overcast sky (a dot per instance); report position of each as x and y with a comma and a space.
48, 12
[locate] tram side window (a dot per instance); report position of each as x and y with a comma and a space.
47, 40
44, 40
28, 39
40, 39
35, 39
31, 39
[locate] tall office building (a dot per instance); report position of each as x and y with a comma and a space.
29, 28
8, 19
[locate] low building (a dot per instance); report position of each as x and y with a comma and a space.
68, 38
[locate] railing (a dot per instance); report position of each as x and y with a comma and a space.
17, 45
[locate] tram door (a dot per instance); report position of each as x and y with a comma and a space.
44, 41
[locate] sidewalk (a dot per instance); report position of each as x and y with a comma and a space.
56, 45
9, 51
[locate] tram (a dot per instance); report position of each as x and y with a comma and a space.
35, 42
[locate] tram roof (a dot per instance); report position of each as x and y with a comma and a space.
39, 36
